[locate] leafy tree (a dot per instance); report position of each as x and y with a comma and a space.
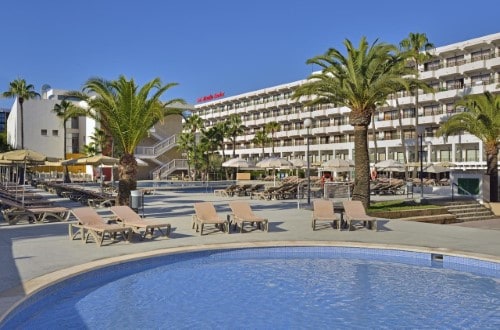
233, 129
272, 127
22, 91
186, 144
416, 47
261, 139
127, 111
360, 80
482, 119
61, 109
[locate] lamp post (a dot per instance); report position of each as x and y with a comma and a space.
421, 138
307, 125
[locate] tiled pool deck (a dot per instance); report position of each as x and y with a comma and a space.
34, 255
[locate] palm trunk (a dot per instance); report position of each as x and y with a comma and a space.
492, 171
127, 172
401, 135
375, 146
361, 191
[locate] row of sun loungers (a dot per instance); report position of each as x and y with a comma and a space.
19, 203
206, 214
354, 211
124, 223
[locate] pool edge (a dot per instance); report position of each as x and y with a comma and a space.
28, 288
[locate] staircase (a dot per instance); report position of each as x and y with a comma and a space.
469, 211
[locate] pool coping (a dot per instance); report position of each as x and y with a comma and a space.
28, 288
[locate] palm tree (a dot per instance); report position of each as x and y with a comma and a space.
272, 127
416, 47
194, 123
261, 139
361, 80
61, 109
186, 144
234, 128
127, 112
22, 91
481, 119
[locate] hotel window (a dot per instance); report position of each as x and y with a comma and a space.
433, 65
44, 132
455, 83
434, 85
432, 110
455, 60
480, 79
482, 54
287, 127
74, 123
55, 132
324, 123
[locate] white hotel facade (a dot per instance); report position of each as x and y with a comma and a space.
456, 70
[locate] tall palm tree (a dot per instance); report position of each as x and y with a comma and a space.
61, 110
360, 80
416, 47
186, 144
482, 119
127, 111
234, 128
261, 139
194, 124
272, 127
22, 91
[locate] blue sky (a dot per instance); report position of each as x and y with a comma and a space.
210, 46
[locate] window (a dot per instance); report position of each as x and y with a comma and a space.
455, 60
55, 132
44, 132
74, 123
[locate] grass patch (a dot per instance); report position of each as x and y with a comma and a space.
398, 205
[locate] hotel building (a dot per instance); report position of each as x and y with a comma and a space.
454, 71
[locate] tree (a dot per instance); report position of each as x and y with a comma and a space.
61, 109
261, 139
127, 111
481, 119
363, 78
186, 144
416, 47
234, 128
272, 127
22, 91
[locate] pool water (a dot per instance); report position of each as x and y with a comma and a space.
272, 288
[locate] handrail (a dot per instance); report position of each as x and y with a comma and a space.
158, 148
169, 167
460, 189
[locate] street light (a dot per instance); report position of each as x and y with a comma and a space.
421, 155
308, 124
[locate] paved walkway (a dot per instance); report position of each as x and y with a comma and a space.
32, 255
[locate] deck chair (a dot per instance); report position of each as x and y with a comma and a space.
323, 211
242, 213
205, 214
355, 211
90, 223
140, 226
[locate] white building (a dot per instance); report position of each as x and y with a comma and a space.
43, 132
456, 70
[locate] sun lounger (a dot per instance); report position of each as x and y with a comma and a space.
140, 226
90, 223
205, 214
323, 210
355, 211
242, 213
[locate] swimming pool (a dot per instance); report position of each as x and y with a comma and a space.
282, 287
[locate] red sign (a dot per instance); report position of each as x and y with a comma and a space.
210, 97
